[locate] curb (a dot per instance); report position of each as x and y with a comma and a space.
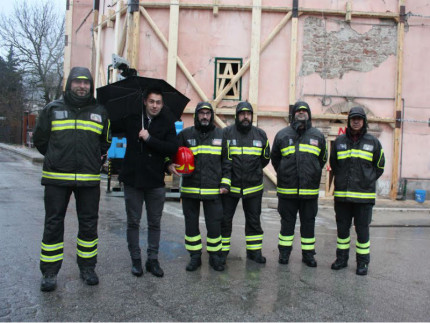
33, 156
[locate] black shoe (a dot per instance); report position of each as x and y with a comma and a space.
153, 266
309, 260
256, 256
284, 257
223, 257
362, 268
136, 268
216, 262
195, 262
339, 264
49, 283
89, 276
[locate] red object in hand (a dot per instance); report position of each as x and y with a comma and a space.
185, 159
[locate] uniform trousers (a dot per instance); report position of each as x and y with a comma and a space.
56, 200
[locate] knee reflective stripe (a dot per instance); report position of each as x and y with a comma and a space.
52, 252
87, 249
193, 243
213, 244
343, 243
254, 242
286, 241
362, 248
308, 243
226, 243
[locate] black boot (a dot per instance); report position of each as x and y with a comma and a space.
342, 256
256, 256
284, 255
195, 262
89, 276
215, 261
309, 259
136, 268
153, 266
223, 256
362, 268
48, 283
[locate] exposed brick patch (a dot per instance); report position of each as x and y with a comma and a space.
332, 54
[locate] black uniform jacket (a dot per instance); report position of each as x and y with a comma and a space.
248, 154
356, 167
298, 161
209, 150
73, 141
144, 161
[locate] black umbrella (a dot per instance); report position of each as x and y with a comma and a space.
124, 97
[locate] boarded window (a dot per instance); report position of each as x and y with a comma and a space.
225, 70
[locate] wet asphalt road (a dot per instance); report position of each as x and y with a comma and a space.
396, 289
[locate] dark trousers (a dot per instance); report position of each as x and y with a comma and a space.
87, 206
154, 203
307, 209
252, 209
362, 215
212, 210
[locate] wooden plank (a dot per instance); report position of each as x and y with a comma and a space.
129, 41
348, 15
215, 9
172, 51
123, 39
134, 61
293, 61
398, 104
255, 57
117, 35
98, 55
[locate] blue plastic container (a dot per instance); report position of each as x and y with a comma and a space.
117, 147
179, 125
420, 196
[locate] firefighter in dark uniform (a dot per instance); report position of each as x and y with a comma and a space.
248, 153
73, 134
204, 184
298, 155
357, 160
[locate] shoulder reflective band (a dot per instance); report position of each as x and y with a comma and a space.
288, 150
309, 149
356, 195
380, 158
57, 125
90, 126
201, 191
355, 153
246, 151
71, 177
213, 150
286, 190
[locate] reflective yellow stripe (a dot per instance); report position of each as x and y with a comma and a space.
83, 254
379, 161
254, 246
213, 240
225, 247
191, 190
355, 153
225, 180
214, 249
52, 247
62, 125
246, 151
346, 240
253, 189
209, 191
193, 248
343, 243
266, 154
87, 244
308, 240
308, 192
309, 149
51, 258
308, 247
288, 150
362, 251
362, 245
357, 195
234, 189
71, 177
286, 241
107, 133
343, 246
213, 150
254, 238
286, 190
201, 191
193, 239
89, 125
226, 239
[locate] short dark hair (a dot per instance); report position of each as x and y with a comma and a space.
152, 90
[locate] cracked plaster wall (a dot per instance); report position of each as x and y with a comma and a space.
332, 54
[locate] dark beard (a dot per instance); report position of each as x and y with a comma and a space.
244, 128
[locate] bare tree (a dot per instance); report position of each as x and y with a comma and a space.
36, 33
